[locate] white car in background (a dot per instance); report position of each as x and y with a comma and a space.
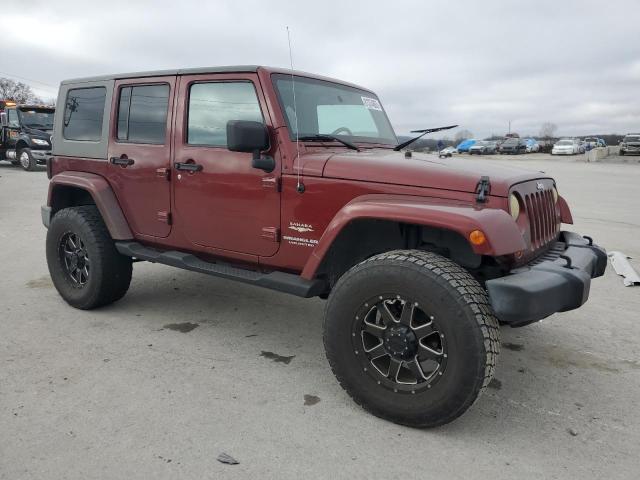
566, 146
447, 152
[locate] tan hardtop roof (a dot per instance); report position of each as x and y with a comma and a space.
203, 70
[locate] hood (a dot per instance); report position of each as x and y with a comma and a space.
36, 132
425, 170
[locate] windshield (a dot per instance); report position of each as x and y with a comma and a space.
41, 119
333, 109
481, 143
565, 142
635, 138
511, 141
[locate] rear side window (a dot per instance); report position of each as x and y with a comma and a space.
212, 105
142, 114
83, 114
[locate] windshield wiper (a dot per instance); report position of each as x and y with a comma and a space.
422, 133
327, 138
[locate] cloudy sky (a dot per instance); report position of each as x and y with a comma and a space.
475, 63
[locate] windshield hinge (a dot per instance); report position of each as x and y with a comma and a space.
482, 189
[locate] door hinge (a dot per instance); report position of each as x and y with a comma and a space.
271, 233
163, 173
165, 217
271, 182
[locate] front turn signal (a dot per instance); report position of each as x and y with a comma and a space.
477, 237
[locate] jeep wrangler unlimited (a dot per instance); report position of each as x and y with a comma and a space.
296, 183
25, 133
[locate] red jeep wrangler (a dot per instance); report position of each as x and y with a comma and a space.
296, 183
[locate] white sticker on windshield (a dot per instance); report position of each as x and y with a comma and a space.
371, 103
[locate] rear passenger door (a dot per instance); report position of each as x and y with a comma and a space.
140, 152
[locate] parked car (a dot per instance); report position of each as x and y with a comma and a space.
591, 142
198, 169
532, 145
630, 144
513, 146
465, 145
483, 147
566, 146
447, 152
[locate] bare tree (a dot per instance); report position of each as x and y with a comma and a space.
462, 135
548, 130
17, 91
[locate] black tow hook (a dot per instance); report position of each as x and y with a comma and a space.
568, 260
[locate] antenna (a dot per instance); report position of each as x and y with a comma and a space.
299, 185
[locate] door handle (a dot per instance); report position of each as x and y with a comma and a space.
122, 161
188, 167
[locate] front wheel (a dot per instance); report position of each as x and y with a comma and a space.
25, 157
84, 264
411, 336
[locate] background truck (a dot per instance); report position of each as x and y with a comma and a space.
25, 133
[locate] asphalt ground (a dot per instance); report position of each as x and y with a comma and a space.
186, 367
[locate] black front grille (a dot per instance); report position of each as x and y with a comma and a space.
543, 219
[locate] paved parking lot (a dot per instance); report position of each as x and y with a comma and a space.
186, 367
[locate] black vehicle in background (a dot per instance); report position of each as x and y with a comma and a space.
513, 146
484, 147
25, 133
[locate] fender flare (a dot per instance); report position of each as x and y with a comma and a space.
502, 233
22, 139
102, 195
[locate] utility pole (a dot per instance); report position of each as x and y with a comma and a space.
509, 126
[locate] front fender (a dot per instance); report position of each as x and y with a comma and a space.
502, 233
102, 195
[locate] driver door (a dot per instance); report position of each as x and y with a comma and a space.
12, 131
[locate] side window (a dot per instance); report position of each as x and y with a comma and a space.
83, 114
12, 117
212, 105
142, 114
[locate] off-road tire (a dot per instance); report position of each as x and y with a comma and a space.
110, 272
30, 164
461, 306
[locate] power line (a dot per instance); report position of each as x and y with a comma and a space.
30, 80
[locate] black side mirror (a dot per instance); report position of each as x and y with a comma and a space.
250, 137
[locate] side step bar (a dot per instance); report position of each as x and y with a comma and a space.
280, 281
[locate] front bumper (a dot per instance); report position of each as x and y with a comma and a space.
40, 156
558, 282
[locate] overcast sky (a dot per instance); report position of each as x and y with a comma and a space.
475, 63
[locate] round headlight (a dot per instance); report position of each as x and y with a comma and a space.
514, 206
555, 195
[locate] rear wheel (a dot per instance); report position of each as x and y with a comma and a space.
84, 264
410, 335
25, 157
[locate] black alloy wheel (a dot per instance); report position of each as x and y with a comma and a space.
402, 347
74, 258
